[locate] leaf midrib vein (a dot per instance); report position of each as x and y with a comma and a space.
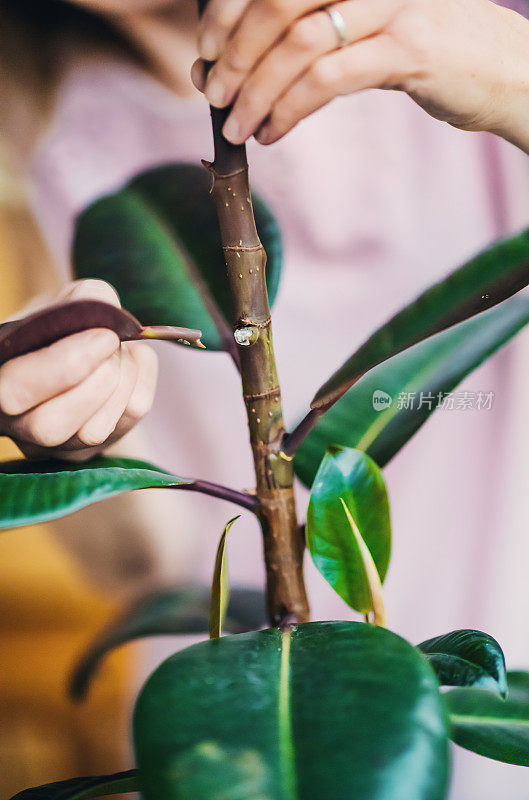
286, 743
463, 719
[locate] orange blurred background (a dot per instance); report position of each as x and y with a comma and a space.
49, 609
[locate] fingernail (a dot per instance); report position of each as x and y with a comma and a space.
207, 47
232, 130
215, 92
198, 75
263, 135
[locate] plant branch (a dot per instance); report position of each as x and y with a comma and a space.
243, 499
245, 263
291, 441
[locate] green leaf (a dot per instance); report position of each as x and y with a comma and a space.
220, 589
492, 727
162, 613
354, 478
238, 775
467, 658
83, 788
488, 279
328, 710
157, 242
434, 366
36, 491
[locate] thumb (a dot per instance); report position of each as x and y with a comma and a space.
90, 289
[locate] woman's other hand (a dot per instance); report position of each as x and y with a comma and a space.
74, 398
464, 61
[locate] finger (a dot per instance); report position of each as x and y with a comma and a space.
218, 20
90, 289
261, 24
31, 379
98, 428
37, 453
53, 423
142, 397
370, 63
198, 75
306, 40
139, 404
264, 23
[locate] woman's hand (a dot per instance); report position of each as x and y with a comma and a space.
72, 399
464, 61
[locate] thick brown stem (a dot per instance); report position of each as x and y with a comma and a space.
246, 262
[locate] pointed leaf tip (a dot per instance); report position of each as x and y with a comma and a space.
220, 586
467, 658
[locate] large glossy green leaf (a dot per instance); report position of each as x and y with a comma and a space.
38, 491
329, 710
486, 280
354, 478
158, 242
467, 658
484, 723
83, 788
434, 366
167, 612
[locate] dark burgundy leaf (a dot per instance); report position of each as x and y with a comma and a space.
52, 323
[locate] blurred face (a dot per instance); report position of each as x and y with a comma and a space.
124, 6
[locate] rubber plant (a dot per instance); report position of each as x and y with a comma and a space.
297, 710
